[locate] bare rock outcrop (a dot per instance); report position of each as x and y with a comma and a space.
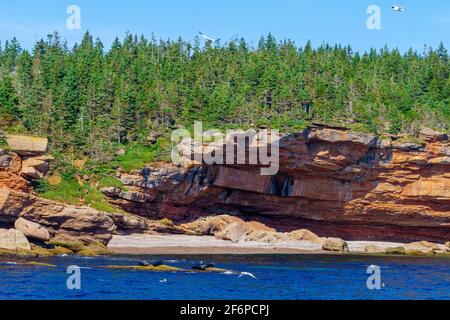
332, 181
335, 244
25, 161
32, 230
373, 249
13, 240
234, 229
56, 218
27, 145
36, 167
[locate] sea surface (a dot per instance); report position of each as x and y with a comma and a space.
296, 277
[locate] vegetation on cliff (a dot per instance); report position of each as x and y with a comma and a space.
89, 101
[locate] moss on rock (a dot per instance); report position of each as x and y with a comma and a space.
17, 254
161, 268
93, 252
73, 246
395, 250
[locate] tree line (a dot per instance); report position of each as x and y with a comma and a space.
88, 100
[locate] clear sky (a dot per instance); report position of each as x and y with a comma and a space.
333, 21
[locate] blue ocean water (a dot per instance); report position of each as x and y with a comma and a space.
296, 277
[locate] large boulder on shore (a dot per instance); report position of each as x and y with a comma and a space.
248, 231
234, 229
57, 218
305, 235
373, 249
424, 248
32, 230
335, 244
395, 251
13, 240
209, 225
27, 145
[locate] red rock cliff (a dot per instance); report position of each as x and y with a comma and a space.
331, 180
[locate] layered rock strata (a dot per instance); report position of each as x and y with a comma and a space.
331, 180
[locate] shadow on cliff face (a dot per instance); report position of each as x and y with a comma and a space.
333, 181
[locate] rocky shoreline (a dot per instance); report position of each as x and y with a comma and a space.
344, 193
207, 245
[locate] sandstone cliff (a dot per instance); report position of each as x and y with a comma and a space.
331, 180
43, 220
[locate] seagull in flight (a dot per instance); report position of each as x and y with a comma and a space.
246, 274
398, 8
206, 37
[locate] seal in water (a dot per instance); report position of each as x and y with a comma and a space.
155, 263
203, 266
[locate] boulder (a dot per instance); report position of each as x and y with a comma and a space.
250, 231
395, 250
304, 235
13, 240
336, 136
111, 192
121, 152
32, 230
124, 222
432, 135
267, 236
429, 245
36, 168
209, 225
55, 217
27, 145
235, 232
335, 244
447, 245
132, 196
423, 248
372, 249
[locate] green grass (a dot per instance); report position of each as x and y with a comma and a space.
137, 156
3, 143
69, 191
411, 139
108, 181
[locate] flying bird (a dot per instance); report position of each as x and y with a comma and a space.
247, 274
398, 8
206, 37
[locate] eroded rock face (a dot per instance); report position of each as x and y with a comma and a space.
17, 170
335, 244
234, 229
57, 218
13, 240
342, 184
10, 166
32, 230
36, 167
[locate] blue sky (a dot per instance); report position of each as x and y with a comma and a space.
343, 21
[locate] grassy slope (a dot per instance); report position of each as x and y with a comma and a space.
71, 190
